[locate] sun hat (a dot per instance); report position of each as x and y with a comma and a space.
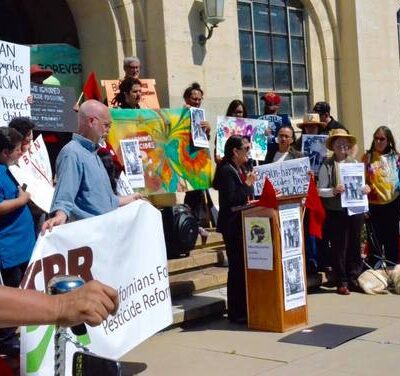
311, 119
335, 134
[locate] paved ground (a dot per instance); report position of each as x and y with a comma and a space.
217, 347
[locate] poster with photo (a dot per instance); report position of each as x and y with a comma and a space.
352, 177
291, 230
199, 135
294, 282
313, 146
259, 247
123, 186
288, 177
132, 162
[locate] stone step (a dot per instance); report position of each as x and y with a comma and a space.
213, 302
188, 283
198, 258
214, 238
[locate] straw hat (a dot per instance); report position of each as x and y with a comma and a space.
336, 133
311, 119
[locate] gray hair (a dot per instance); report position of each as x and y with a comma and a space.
130, 59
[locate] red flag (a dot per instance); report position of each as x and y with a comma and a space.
317, 211
91, 88
268, 196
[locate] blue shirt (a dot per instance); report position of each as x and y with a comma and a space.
83, 187
17, 231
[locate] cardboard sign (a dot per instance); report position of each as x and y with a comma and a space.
14, 82
52, 108
149, 97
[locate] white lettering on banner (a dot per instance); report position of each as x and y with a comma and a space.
112, 248
14, 81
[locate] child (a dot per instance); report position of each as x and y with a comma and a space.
344, 230
17, 234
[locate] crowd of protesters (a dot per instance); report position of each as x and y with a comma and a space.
84, 189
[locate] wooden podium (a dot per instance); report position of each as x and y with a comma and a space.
265, 288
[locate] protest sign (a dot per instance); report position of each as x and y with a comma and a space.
63, 59
314, 147
352, 178
34, 170
113, 248
14, 81
170, 162
199, 136
149, 95
259, 248
132, 162
255, 129
288, 177
51, 109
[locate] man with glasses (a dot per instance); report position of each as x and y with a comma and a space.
83, 187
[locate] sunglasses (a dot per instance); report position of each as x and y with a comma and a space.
380, 139
247, 148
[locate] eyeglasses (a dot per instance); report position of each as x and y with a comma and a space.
380, 139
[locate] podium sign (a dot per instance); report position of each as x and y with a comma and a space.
275, 267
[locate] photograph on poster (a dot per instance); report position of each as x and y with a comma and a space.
293, 278
132, 162
352, 178
291, 230
259, 246
313, 146
199, 136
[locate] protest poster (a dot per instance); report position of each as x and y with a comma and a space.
253, 128
291, 230
132, 162
288, 177
14, 82
314, 147
293, 282
352, 178
199, 136
64, 60
34, 170
123, 186
112, 248
259, 248
170, 162
51, 109
275, 123
148, 99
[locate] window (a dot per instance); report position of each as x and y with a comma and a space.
273, 54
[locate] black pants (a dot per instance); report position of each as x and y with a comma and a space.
12, 277
345, 233
385, 220
236, 286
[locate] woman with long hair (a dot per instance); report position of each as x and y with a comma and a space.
130, 92
382, 175
234, 188
237, 109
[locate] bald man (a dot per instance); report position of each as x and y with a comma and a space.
83, 187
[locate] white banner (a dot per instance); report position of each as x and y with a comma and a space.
124, 249
34, 170
14, 81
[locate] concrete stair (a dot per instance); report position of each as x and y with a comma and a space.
198, 281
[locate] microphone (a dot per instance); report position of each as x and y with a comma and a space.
62, 284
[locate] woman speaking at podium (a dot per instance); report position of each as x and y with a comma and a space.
234, 185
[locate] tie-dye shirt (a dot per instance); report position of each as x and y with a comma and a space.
382, 175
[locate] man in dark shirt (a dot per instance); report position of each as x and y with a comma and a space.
323, 109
